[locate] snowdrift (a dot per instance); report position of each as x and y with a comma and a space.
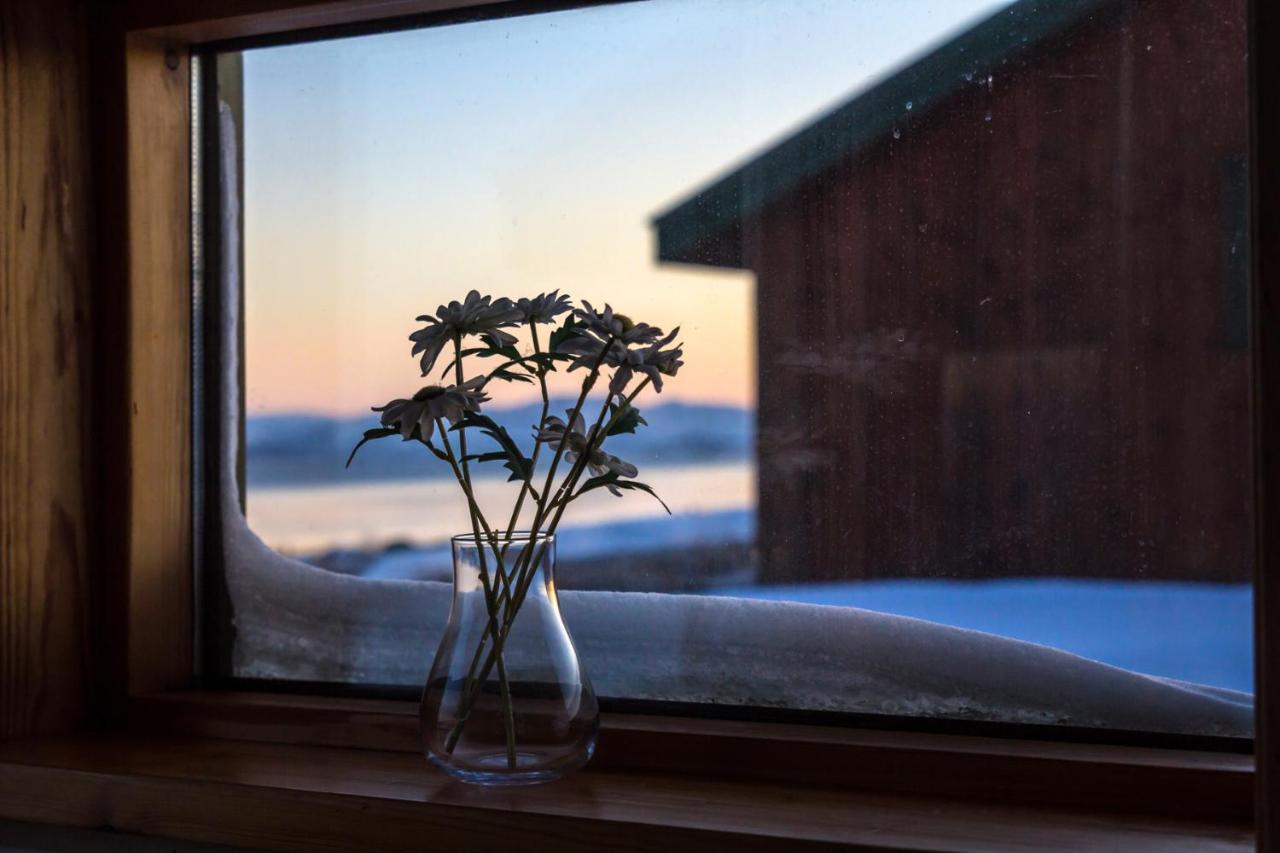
298, 622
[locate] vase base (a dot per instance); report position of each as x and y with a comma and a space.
493, 770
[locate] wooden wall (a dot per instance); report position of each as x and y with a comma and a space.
46, 245
1009, 341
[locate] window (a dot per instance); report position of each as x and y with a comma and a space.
964, 431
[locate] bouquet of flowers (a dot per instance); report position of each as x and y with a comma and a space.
481, 337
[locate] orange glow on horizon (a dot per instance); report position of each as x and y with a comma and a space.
344, 347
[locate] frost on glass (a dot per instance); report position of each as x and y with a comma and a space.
968, 285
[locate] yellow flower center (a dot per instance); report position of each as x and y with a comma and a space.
430, 392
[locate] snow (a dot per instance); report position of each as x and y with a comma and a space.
1195, 632
296, 621
1198, 632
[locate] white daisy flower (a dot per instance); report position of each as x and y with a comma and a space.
473, 316
608, 326
586, 352
653, 361
434, 401
576, 441
544, 307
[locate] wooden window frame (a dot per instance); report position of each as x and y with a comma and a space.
145, 665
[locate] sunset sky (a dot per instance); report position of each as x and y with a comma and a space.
387, 174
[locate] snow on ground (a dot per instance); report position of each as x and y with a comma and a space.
297, 621
1194, 632
1197, 632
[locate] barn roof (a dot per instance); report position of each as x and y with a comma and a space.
719, 207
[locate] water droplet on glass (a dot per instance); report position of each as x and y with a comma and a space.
897, 134
901, 338
1148, 47
910, 104
923, 227
991, 82
987, 117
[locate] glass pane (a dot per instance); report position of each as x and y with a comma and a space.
962, 288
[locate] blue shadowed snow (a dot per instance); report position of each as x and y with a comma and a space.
1196, 632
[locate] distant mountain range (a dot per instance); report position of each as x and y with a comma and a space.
300, 449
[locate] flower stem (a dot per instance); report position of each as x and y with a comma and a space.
491, 605
537, 447
521, 570
526, 578
490, 590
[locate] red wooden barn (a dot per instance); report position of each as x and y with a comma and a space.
1002, 302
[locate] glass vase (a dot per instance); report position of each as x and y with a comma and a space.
507, 701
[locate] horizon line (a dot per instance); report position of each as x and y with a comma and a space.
332, 414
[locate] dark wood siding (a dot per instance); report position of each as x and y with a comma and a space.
1003, 340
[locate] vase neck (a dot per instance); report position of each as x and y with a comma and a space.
502, 561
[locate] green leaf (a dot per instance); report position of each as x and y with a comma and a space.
644, 487
371, 435
495, 456
564, 333
497, 348
544, 362
508, 376
520, 467
627, 421
440, 454
484, 423
611, 480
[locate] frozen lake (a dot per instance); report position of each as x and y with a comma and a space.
311, 518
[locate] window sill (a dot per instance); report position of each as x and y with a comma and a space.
292, 797
1213, 786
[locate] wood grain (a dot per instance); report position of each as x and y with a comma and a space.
44, 346
309, 798
1095, 776
160, 566
217, 20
